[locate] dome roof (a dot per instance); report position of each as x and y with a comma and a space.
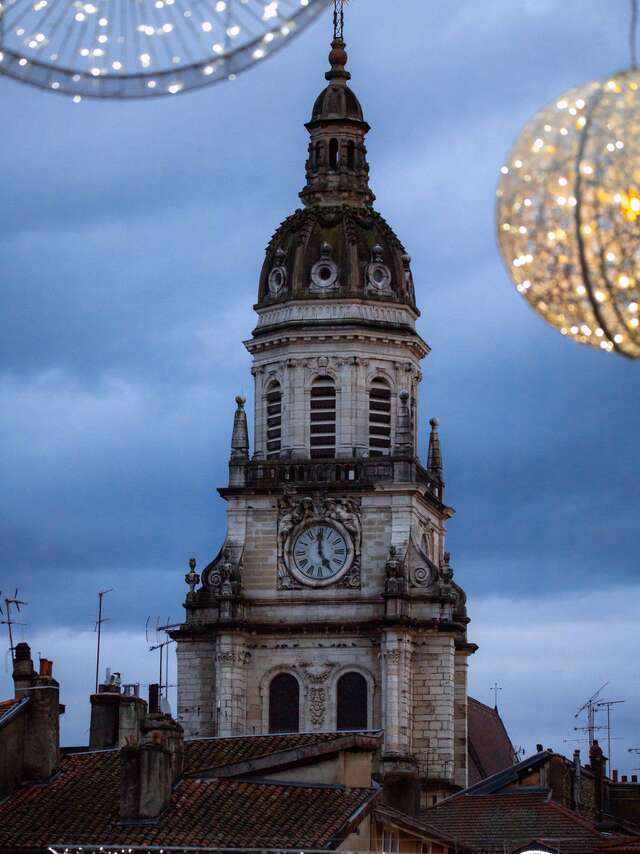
336, 253
337, 102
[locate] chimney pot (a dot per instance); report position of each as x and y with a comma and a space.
634, 778
624, 778
615, 775
154, 699
539, 748
46, 668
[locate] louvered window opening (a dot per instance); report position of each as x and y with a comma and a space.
273, 400
353, 706
379, 419
323, 419
284, 704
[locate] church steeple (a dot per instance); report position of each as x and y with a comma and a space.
337, 168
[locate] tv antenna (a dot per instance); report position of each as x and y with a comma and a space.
162, 645
594, 705
98, 629
11, 602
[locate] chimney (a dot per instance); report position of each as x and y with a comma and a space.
41, 734
116, 714
634, 778
577, 779
597, 761
539, 748
614, 776
624, 778
150, 769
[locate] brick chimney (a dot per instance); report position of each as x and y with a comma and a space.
116, 714
597, 762
32, 740
149, 770
577, 779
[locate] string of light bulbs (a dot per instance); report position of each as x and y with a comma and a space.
142, 48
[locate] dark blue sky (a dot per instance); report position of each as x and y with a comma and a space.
131, 237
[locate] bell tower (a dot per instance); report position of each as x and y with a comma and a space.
332, 604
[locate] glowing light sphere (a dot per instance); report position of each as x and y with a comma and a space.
568, 214
142, 48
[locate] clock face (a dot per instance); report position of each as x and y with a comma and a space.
320, 553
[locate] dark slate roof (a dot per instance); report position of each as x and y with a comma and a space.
262, 751
490, 748
620, 845
81, 806
497, 782
495, 823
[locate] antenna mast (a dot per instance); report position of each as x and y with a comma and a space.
98, 629
9, 603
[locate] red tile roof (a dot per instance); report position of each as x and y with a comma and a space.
499, 822
203, 754
490, 748
620, 845
81, 805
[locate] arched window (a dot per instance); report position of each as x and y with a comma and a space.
379, 418
351, 154
284, 704
353, 705
273, 404
323, 418
334, 154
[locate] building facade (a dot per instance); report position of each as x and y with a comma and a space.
331, 604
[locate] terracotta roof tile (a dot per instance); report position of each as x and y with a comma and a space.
490, 748
207, 753
505, 821
81, 805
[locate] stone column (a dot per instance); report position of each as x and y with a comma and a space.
347, 415
231, 685
460, 720
259, 450
196, 697
395, 651
298, 415
361, 407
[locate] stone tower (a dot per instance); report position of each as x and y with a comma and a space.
331, 604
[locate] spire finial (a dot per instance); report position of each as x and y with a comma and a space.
434, 462
338, 19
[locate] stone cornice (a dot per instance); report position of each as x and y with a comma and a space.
304, 311
283, 336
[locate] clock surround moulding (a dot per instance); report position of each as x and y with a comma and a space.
297, 514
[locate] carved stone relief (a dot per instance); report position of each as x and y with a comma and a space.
317, 678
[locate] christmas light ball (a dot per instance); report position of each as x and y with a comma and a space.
568, 214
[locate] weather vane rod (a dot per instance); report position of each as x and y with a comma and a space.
338, 18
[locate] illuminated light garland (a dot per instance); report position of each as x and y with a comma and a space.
120, 49
568, 213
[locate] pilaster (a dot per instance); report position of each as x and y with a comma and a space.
196, 689
231, 659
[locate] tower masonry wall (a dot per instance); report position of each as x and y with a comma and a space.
433, 702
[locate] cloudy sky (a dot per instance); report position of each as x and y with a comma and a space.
131, 236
